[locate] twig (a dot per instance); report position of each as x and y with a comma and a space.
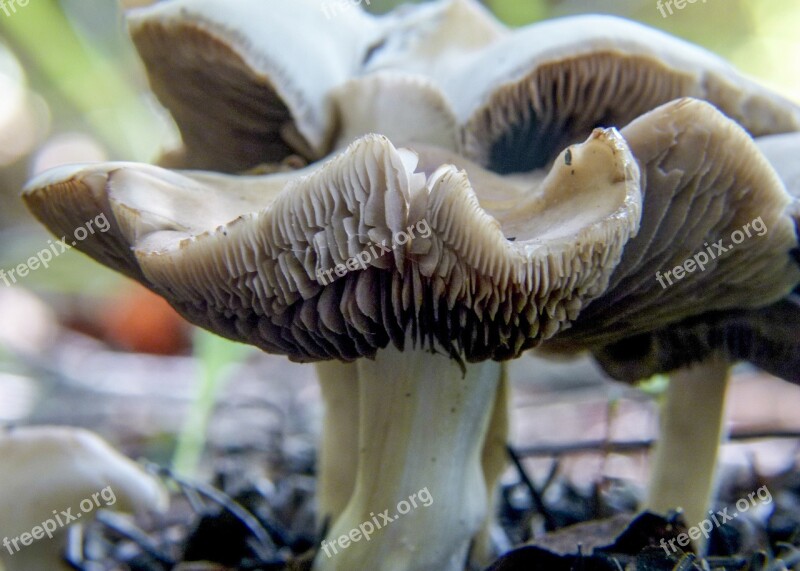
236, 509
631, 446
538, 501
122, 527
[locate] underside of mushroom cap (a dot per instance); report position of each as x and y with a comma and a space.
529, 94
246, 257
767, 338
706, 184
245, 83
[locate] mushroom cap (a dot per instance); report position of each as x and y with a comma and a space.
701, 186
244, 256
247, 87
408, 108
433, 39
531, 93
47, 468
766, 337
781, 151
245, 84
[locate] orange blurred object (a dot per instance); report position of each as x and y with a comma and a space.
140, 321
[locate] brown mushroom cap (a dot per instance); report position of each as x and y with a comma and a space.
241, 256
245, 83
701, 185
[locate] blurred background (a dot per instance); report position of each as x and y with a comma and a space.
80, 345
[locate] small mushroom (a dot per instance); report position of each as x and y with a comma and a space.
440, 297
697, 353
55, 476
715, 208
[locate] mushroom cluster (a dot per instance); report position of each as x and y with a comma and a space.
410, 200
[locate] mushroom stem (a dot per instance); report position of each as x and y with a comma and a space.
691, 430
494, 461
44, 554
423, 421
338, 456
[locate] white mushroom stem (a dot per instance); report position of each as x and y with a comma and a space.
423, 422
495, 462
683, 474
338, 457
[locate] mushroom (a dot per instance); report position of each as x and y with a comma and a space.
54, 476
715, 208
444, 74
523, 96
274, 261
569, 75
242, 97
766, 337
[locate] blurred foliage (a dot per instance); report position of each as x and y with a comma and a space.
215, 356
83, 76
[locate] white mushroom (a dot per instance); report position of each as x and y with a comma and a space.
509, 261
53, 477
442, 294
715, 208
242, 96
